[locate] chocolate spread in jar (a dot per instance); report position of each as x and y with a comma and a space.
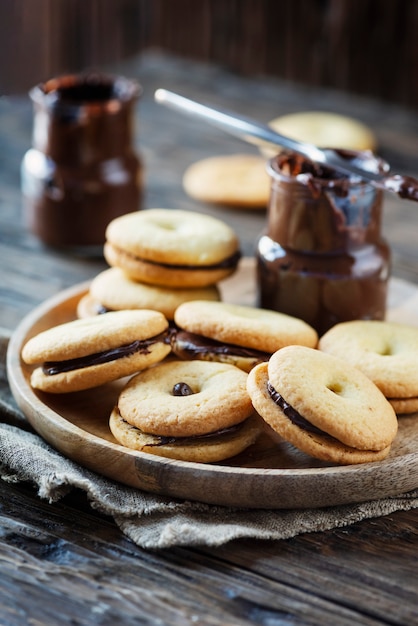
81, 171
322, 258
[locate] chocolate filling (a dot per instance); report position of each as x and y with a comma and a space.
296, 418
50, 368
231, 261
190, 439
189, 345
182, 389
163, 441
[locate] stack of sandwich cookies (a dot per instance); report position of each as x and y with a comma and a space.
240, 335
323, 406
172, 248
113, 290
386, 352
192, 411
85, 353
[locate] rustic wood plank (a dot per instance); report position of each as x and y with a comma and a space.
65, 563
367, 567
72, 562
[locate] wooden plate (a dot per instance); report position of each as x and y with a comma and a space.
270, 474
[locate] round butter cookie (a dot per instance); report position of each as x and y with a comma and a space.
113, 290
186, 410
236, 180
325, 130
236, 334
323, 406
387, 352
86, 353
172, 248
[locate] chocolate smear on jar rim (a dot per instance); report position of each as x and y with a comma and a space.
319, 177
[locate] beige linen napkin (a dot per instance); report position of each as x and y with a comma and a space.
153, 521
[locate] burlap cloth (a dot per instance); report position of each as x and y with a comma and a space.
154, 521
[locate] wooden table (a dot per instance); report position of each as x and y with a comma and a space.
63, 563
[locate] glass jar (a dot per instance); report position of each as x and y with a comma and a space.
81, 171
322, 257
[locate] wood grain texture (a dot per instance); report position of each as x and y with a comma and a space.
312, 43
64, 563
75, 567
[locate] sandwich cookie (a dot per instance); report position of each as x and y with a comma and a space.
85, 353
172, 248
323, 406
235, 180
240, 335
192, 411
113, 290
387, 352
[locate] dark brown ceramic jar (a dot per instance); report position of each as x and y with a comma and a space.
322, 257
82, 170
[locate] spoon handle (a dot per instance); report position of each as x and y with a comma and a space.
259, 134
243, 127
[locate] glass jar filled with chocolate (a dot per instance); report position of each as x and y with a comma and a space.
322, 257
82, 170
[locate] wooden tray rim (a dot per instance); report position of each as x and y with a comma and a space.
27, 400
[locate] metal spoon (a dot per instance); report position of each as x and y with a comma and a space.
253, 132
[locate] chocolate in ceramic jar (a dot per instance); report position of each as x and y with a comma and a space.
82, 170
322, 257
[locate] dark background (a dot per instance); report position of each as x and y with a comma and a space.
366, 47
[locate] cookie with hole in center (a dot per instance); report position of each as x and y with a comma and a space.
236, 334
323, 406
193, 411
113, 290
387, 352
86, 353
173, 248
